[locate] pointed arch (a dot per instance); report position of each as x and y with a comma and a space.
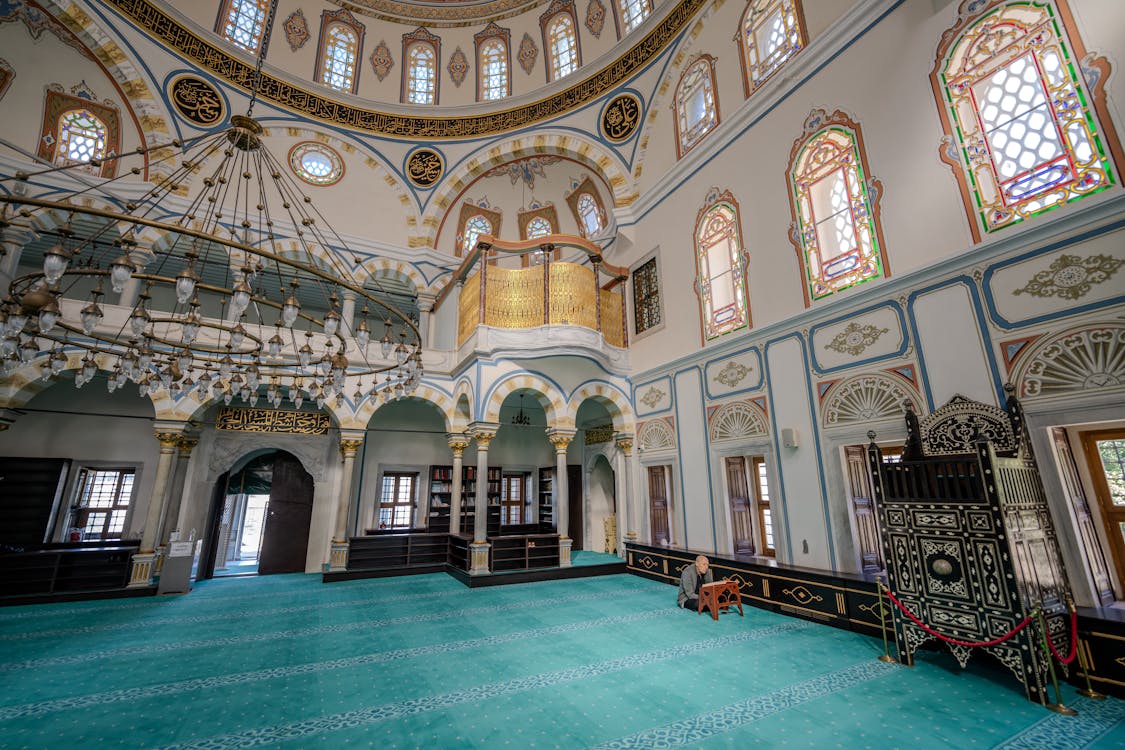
549, 397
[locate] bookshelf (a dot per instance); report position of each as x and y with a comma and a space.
522, 552
469, 499
547, 497
441, 495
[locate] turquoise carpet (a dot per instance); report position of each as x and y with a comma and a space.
423, 661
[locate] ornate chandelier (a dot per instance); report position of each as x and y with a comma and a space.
237, 295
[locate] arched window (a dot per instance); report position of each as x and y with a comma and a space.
538, 227
82, 138
560, 40
242, 23
697, 109
1022, 130
493, 70
772, 32
475, 226
633, 12
835, 205
341, 41
421, 74
721, 269
587, 209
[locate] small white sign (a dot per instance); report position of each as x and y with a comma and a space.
180, 549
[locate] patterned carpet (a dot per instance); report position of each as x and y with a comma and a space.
289, 662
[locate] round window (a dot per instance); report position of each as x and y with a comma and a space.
316, 163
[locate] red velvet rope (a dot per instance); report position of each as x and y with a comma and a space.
1073, 640
972, 644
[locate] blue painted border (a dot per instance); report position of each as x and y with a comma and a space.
707, 366
903, 332
706, 454
671, 395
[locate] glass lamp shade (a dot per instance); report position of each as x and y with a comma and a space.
400, 353
273, 346
362, 334
304, 355
290, 310
331, 323
190, 329
225, 366
185, 284
28, 350
138, 321
240, 298
55, 262
184, 360
16, 322
120, 271
188, 385
58, 361
144, 358
48, 316
237, 336
298, 400
91, 316
386, 342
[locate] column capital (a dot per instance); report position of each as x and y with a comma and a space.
458, 442
349, 447
483, 433
624, 441
426, 302
169, 434
187, 444
560, 438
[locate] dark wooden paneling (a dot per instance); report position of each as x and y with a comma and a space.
285, 540
30, 489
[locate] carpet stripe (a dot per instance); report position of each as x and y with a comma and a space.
39, 708
730, 717
1064, 733
414, 706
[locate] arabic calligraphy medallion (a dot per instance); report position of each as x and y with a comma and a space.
621, 118
197, 100
424, 167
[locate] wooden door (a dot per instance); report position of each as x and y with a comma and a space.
1076, 497
863, 508
206, 567
741, 506
575, 501
658, 506
285, 540
1105, 455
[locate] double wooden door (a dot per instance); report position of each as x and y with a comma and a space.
285, 541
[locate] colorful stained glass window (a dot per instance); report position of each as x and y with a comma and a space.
493, 70
590, 215
1026, 136
633, 12
646, 297
563, 46
721, 279
538, 227
82, 138
421, 75
696, 111
835, 222
337, 64
771, 34
475, 226
242, 22
316, 163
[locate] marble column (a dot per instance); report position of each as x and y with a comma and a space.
350, 443
171, 513
143, 562
458, 442
479, 548
629, 522
561, 440
347, 314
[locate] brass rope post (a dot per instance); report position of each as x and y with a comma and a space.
1058, 706
886, 656
1088, 691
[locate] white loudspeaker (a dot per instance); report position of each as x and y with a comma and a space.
790, 438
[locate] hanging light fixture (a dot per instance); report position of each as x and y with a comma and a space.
242, 232
521, 419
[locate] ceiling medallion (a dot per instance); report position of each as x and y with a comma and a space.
424, 167
198, 101
296, 30
621, 118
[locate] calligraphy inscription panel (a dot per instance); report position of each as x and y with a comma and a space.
239, 419
197, 100
621, 118
424, 167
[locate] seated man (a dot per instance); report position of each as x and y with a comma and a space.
691, 579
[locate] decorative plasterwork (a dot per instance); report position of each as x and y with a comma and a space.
736, 421
7, 73
528, 53
1071, 276
80, 97
656, 435
652, 397
37, 21
595, 17
381, 60
440, 12
319, 105
955, 428
1084, 359
854, 339
524, 169
296, 30
458, 67
866, 398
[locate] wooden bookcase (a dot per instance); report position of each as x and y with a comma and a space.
547, 498
469, 499
66, 567
441, 495
523, 552
387, 551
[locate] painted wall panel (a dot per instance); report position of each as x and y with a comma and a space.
954, 356
696, 487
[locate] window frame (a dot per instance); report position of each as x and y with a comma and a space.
224, 14
820, 126
74, 493
520, 505
709, 329
468, 211
545, 212
572, 198
751, 83
654, 258
620, 16
763, 506
547, 21
418, 38
493, 34
329, 20
395, 504
56, 105
685, 142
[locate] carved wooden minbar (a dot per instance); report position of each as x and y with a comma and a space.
968, 539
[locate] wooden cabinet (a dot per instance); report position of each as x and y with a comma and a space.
390, 551
524, 552
65, 568
546, 493
441, 495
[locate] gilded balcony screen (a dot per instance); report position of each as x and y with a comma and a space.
514, 297
612, 330
572, 295
468, 308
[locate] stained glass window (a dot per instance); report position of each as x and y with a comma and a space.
696, 111
1024, 132
242, 22
316, 163
493, 70
590, 214
337, 63
835, 223
538, 227
475, 226
562, 46
82, 137
633, 12
646, 297
721, 281
772, 33
420, 74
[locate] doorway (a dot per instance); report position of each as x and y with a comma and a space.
1105, 455
259, 518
